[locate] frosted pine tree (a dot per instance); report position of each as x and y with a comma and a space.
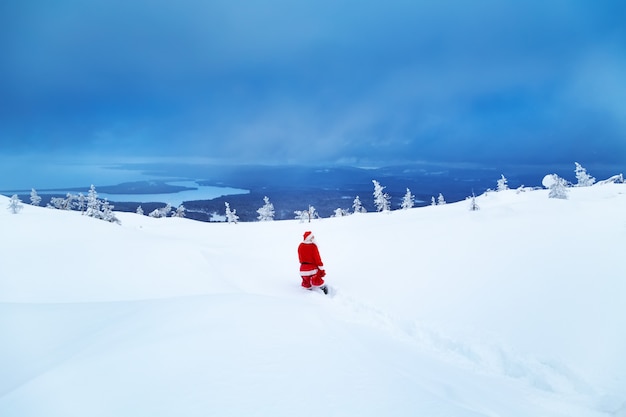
180, 211
584, 179
15, 204
558, 187
440, 200
80, 202
381, 199
473, 204
35, 200
107, 213
231, 215
69, 201
502, 184
266, 213
165, 211
357, 206
139, 211
408, 201
93, 204
433, 202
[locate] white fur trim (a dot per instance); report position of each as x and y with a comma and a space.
308, 273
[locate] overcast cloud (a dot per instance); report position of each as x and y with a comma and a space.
320, 81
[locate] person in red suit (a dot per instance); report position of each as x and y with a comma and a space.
311, 265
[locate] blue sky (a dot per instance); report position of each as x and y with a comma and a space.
279, 81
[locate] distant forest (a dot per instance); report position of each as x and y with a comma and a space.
292, 188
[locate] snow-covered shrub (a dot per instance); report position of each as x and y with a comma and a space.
440, 200
107, 213
161, 212
339, 212
61, 203
522, 189
139, 210
615, 179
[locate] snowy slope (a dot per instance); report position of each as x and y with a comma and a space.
514, 310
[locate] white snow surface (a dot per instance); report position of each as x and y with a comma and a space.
514, 310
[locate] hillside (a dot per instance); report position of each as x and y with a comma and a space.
513, 310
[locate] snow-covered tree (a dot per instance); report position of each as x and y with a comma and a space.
584, 179
408, 201
231, 215
61, 203
35, 200
139, 210
358, 206
180, 211
107, 213
502, 184
56, 203
433, 202
266, 213
557, 186
93, 204
167, 210
15, 204
80, 202
440, 200
473, 205
339, 212
307, 215
381, 199
69, 201
161, 212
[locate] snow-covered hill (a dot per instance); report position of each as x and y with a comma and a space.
513, 310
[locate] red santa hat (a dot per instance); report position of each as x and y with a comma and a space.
308, 235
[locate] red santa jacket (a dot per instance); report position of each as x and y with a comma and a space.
310, 259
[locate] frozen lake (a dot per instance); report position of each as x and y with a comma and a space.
21, 175
203, 192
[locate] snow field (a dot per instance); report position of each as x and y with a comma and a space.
513, 310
